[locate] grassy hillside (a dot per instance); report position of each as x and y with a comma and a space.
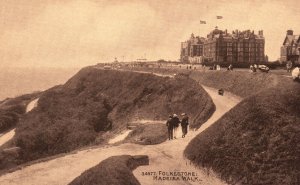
12, 109
95, 101
241, 83
257, 142
148, 134
115, 170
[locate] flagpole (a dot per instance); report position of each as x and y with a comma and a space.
219, 17
201, 22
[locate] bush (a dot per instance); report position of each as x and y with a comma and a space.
12, 109
148, 134
115, 170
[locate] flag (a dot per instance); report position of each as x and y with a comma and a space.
202, 22
219, 17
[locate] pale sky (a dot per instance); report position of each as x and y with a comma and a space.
76, 33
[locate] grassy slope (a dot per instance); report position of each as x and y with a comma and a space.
233, 81
241, 83
12, 109
148, 134
257, 142
95, 101
115, 170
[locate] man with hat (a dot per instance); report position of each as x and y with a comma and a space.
175, 121
184, 124
170, 127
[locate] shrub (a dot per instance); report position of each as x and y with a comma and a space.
12, 109
115, 170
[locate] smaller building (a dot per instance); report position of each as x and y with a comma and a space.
290, 48
192, 50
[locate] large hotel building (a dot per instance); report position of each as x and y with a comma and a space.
223, 47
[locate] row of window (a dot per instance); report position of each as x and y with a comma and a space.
240, 60
260, 44
242, 44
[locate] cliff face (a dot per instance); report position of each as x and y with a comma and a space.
96, 101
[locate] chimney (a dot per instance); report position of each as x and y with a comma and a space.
289, 32
261, 33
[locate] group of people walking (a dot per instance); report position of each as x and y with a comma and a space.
173, 124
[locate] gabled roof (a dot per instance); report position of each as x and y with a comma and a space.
297, 39
290, 39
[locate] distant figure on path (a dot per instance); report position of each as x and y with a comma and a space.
221, 92
170, 127
289, 66
230, 67
184, 124
175, 121
251, 68
255, 67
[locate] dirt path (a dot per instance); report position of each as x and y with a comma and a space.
32, 105
7, 136
167, 156
119, 137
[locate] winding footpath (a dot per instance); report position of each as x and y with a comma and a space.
167, 157
6, 137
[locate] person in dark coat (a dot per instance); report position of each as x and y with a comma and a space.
170, 127
175, 121
184, 124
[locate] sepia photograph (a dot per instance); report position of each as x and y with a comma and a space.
149, 92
